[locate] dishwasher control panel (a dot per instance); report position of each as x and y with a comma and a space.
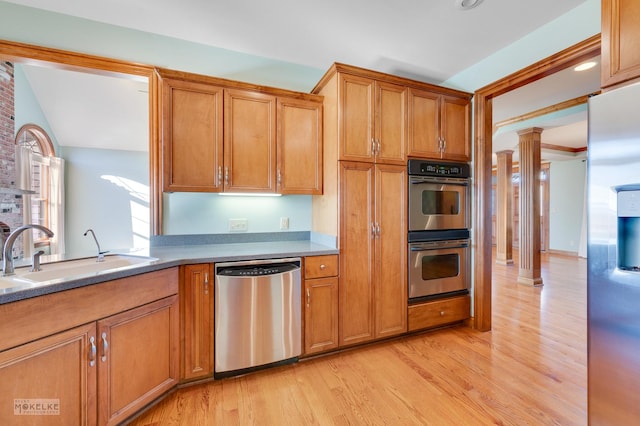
256, 270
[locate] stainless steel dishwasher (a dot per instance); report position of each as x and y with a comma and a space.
257, 314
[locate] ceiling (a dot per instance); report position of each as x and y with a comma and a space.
375, 34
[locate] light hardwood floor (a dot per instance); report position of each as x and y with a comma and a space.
529, 370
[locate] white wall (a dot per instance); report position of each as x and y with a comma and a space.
566, 204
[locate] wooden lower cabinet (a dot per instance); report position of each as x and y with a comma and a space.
320, 304
137, 358
373, 245
439, 312
50, 381
100, 372
196, 321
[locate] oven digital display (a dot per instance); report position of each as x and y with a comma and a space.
440, 169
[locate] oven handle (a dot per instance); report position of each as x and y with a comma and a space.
413, 180
435, 245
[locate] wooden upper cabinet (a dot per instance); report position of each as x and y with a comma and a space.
373, 124
249, 141
620, 41
455, 125
391, 123
192, 136
424, 128
356, 107
439, 126
299, 146
219, 135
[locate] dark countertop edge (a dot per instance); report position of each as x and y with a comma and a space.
171, 256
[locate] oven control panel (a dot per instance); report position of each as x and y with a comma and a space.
438, 168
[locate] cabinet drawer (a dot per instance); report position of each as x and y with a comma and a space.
439, 312
321, 266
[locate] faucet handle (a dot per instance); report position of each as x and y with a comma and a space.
35, 261
101, 256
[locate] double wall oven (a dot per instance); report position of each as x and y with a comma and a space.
439, 222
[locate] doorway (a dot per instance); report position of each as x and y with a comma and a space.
483, 99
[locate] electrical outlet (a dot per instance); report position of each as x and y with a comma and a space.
284, 223
238, 225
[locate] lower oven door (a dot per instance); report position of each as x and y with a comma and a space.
438, 268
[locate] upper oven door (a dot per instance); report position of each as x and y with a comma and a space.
437, 203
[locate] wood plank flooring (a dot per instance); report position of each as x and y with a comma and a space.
529, 370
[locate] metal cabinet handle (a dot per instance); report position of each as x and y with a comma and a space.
308, 297
444, 144
226, 175
322, 267
206, 283
373, 230
105, 347
378, 147
378, 230
219, 175
279, 177
441, 313
373, 146
92, 353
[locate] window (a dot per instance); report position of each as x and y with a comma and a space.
33, 142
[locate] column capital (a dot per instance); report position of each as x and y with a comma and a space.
530, 130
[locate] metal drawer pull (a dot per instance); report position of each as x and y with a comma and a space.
92, 353
105, 347
308, 297
441, 313
322, 267
206, 283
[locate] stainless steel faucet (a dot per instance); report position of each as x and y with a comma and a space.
7, 262
100, 253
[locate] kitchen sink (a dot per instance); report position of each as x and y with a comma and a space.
68, 269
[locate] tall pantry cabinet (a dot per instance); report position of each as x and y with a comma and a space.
370, 124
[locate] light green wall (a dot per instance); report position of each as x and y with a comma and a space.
566, 204
26, 107
64, 32
34, 26
573, 27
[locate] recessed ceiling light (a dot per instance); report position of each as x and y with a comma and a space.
467, 4
585, 66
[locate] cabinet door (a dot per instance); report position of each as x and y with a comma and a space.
249, 142
321, 315
391, 251
299, 146
424, 119
138, 358
391, 123
356, 106
50, 381
356, 252
620, 41
455, 125
196, 300
191, 136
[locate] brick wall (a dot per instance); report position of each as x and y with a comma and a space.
10, 204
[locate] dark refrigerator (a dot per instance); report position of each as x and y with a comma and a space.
613, 296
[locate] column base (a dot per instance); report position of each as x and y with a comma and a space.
533, 282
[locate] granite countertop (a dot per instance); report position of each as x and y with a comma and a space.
165, 257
